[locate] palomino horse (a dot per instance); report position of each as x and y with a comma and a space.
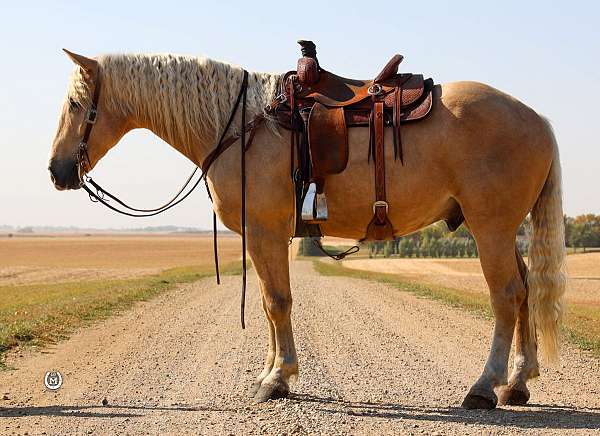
479, 149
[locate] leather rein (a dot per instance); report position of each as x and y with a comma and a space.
100, 195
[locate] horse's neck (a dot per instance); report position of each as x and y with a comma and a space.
193, 124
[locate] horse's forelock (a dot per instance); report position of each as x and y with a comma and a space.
78, 89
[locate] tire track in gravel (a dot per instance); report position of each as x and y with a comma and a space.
373, 360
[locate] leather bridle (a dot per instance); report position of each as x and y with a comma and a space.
101, 195
90, 119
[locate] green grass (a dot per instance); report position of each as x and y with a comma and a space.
581, 325
38, 314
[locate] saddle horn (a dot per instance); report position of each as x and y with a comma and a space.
308, 64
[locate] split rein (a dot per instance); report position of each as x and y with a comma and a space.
100, 195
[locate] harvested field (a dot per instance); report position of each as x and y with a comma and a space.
466, 274
51, 285
50, 259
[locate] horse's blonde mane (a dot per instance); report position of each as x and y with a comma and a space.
180, 97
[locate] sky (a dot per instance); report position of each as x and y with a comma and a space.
546, 54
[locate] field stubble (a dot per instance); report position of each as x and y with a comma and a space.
52, 285
50, 259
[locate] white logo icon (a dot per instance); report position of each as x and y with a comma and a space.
53, 380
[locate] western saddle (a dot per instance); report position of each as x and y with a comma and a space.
318, 107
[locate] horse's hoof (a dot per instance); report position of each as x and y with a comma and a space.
478, 401
268, 392
253, 389
510, 396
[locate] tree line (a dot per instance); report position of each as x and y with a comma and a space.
432, 241
581, 233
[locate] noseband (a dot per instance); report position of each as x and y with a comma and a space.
101, 195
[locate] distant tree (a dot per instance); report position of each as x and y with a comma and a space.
388, 248
454, 247
403, 247
434, 248
568, 222
525, 225
426, 247
462, 232
417, 249
471, 249
461, 247
396, 243
410, 247
523, 246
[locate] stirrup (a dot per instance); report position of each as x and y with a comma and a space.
308, 206
321, 206
314, 206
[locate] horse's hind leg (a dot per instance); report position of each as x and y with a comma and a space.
525, 364
269, 253
507, 293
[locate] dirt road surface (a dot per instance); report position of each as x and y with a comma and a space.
373, 360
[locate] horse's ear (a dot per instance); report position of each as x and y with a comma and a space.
88, 64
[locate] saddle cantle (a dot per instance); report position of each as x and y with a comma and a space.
319, 107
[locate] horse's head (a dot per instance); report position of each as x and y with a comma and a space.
67, 160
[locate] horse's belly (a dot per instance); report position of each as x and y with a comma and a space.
415, 192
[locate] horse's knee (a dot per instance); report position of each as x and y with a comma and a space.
278, 307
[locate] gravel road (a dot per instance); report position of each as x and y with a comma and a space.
373, 360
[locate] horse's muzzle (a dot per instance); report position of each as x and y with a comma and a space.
64, 174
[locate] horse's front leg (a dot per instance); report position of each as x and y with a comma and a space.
268, 366
268, 250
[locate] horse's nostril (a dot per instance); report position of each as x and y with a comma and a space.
63, 173
53, 171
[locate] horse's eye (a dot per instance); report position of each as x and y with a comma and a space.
73, 105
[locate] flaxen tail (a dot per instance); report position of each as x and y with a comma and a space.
547, 278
